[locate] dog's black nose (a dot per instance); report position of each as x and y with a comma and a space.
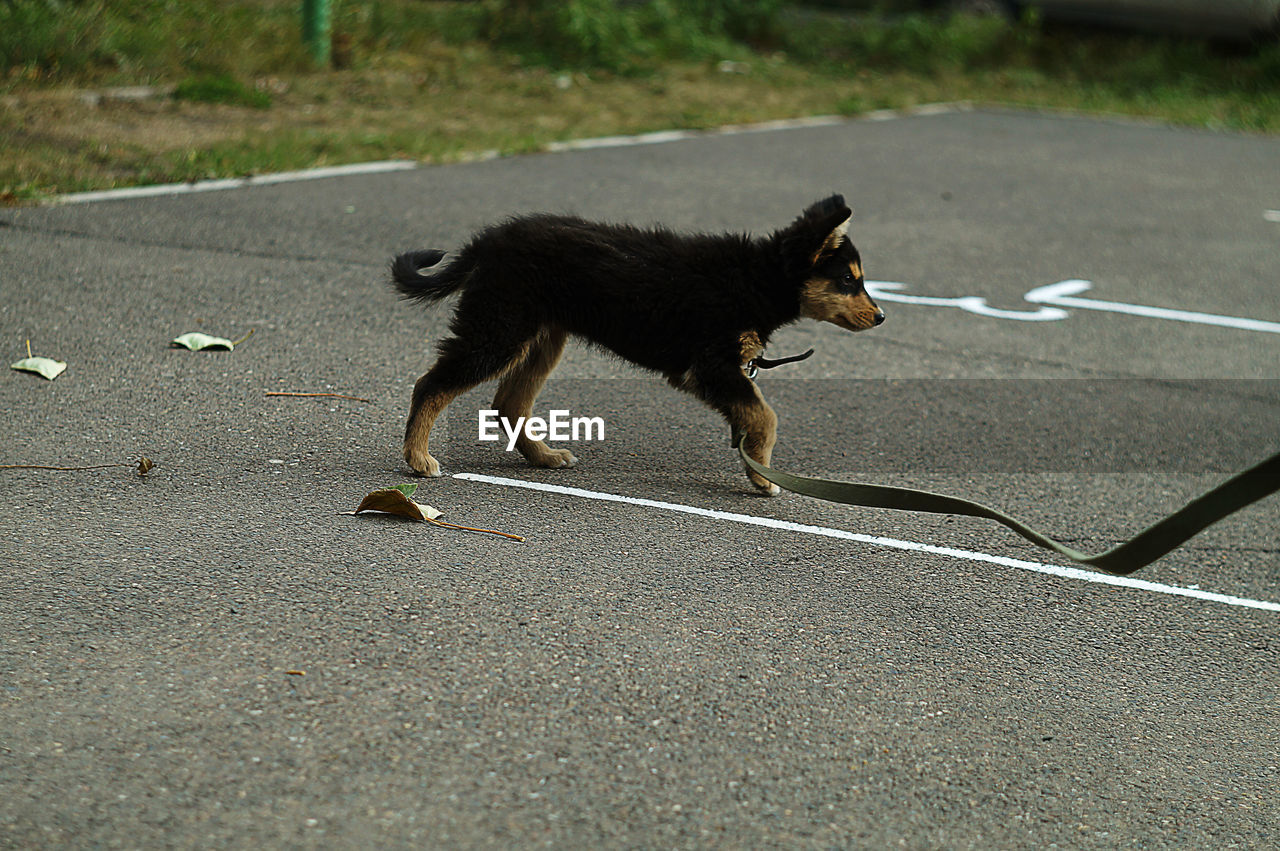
879, 317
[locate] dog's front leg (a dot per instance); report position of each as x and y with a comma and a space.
757, 424
750, 418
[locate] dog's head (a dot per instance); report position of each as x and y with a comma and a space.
817, 253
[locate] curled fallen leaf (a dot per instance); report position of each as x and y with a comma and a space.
47, 367
195, 341
144, 465
397, 500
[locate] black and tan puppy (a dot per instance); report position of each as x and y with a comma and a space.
695, 308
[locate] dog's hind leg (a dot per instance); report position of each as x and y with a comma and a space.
463, 364
751, 419
520, 386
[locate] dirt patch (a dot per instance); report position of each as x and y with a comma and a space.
156, 123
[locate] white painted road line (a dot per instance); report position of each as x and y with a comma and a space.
235, 182
662, 137
656, 138
890, 291
891, 543
1062, 294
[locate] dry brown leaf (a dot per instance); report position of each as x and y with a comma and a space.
396, 500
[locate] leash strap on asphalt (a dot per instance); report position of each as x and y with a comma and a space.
1243, 489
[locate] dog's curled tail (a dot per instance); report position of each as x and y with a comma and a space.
406, 274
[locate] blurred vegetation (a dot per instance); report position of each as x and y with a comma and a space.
220, 88
148, 40
628, 36
512, 75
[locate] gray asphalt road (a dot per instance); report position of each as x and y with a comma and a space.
213, 656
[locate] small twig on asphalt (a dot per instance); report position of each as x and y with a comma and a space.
143, 466
473, 529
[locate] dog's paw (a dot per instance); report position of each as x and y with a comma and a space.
421, 462
763, 485
554, 459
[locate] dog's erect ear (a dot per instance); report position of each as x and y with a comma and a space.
820, 230
830, 218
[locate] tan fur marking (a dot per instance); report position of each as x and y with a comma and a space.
750, 347
417, 436
520, 387
684, 381
832, 242
820, 300
758, 424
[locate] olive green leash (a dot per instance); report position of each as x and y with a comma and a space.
1243, 489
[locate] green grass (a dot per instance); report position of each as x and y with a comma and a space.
440, 81
221, 88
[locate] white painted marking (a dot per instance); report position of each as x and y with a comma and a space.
663, 136
783, 124
925, 110
1062, 295
656, 138
891, 543
888, 291
1271, 215
235, 182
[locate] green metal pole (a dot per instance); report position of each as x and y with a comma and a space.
317, 23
